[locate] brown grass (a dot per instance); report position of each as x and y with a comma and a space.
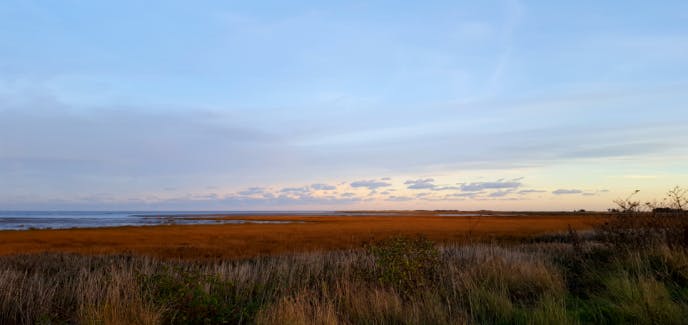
313, 233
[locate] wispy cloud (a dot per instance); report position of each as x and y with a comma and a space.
515, 12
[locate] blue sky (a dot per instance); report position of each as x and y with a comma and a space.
309, 105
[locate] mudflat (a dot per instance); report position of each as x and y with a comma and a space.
302, 234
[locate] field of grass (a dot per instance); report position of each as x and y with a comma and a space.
311, 233
398, 281
628, 268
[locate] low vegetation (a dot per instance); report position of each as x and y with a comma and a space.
571, 277
305, 234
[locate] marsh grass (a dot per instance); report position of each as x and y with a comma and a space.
399, 281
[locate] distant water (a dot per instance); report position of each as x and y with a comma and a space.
24, 220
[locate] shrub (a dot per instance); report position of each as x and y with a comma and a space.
406, 264
190, 297
637, 226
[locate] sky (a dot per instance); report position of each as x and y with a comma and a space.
324, 105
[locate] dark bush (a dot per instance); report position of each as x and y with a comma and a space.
637, 225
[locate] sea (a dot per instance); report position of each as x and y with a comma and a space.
26, 220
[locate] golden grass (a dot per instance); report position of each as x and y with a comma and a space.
312, 233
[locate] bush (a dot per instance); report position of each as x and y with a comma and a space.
190, 297
636, 225
406, 264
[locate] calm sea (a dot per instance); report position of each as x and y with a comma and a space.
24, 220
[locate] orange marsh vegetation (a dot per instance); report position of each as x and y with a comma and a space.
308, 233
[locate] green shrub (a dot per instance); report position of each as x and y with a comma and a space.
189, 297
406, 264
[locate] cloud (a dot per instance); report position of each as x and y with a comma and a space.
283, 200
62, 151
268, 195
480, 186
46, 147
420, 184
211, 196
447, 188
566, 192
500, 193
252, 191
370, 184
523, 192
194, 201
323, 187
428, 184
297, 190
399, 198
465, 195
302, 193
595, 192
